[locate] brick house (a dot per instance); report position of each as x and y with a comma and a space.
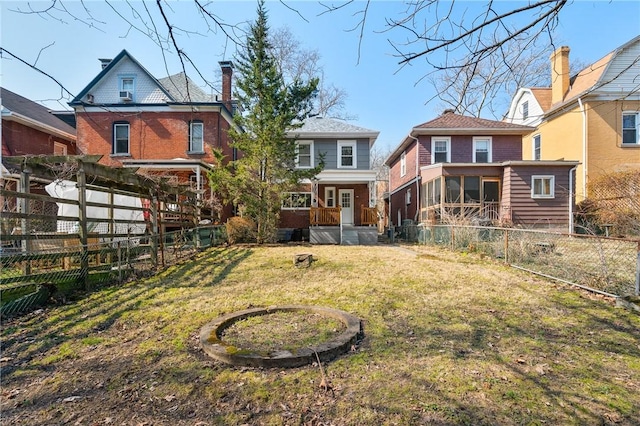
166, 127
457, 167
592, 117
29, 128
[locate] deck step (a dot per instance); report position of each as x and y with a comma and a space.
350, 238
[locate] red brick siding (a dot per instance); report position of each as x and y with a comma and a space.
153, 135
23, 140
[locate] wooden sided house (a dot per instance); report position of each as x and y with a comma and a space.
456, 167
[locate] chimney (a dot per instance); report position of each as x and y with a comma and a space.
559, 74
104, 62
227, 72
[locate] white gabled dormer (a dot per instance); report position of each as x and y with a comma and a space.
528, 106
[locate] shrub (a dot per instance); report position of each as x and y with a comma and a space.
240, 230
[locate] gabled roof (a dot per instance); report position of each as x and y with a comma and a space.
124, 54
584, 82
32, 114
451, 123
543, 96
321, 127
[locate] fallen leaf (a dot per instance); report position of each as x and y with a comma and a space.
169, 398
72, 398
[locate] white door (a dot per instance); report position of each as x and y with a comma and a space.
345, 197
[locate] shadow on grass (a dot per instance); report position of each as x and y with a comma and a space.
29, 336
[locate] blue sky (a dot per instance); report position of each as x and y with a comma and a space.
382, 95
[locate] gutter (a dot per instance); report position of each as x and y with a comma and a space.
584, 148
417, 178
571, 199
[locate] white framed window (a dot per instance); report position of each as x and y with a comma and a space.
304, 154
296, 200
525, 110
59, 148
481, 149
403, 163
347, 155
120, 139
536, 147
407, 197
330, 196
196, 137
440, 150
543, 186
127, 87
631, 128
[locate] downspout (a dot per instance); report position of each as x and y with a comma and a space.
417, 178
572, 197
584, 148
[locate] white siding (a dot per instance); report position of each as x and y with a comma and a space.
622, 74
146, 89
515, 112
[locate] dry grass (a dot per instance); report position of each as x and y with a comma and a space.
450, 339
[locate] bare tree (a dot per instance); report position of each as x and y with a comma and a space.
484, 88
298, 63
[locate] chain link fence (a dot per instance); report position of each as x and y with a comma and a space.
609, 266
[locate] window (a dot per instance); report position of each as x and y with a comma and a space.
346, 154
536, 147
471, 189
407, 197
59, 148
452, 189
196, 137
296, 200
481, 150
127, 88
525, 110
120, 139
440, 152
330, 197
542, 186
630, 128
403, 164
304, 157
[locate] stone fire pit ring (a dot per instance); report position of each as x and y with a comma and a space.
214, 346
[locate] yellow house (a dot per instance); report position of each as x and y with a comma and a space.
592, 117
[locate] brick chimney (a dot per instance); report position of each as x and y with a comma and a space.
559, 74
227, 73
104, 62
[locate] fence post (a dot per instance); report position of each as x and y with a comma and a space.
506, 246
24, 222
453, 238
82, 228
638, 270
154, 231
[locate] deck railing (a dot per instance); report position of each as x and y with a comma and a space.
324, 216
368, 216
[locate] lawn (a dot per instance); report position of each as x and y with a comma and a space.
449, 339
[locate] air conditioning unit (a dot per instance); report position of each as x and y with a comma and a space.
125, 95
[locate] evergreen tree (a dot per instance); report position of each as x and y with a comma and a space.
268, 108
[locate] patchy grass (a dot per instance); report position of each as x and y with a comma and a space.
449, 339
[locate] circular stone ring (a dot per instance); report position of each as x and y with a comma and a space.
215, 347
